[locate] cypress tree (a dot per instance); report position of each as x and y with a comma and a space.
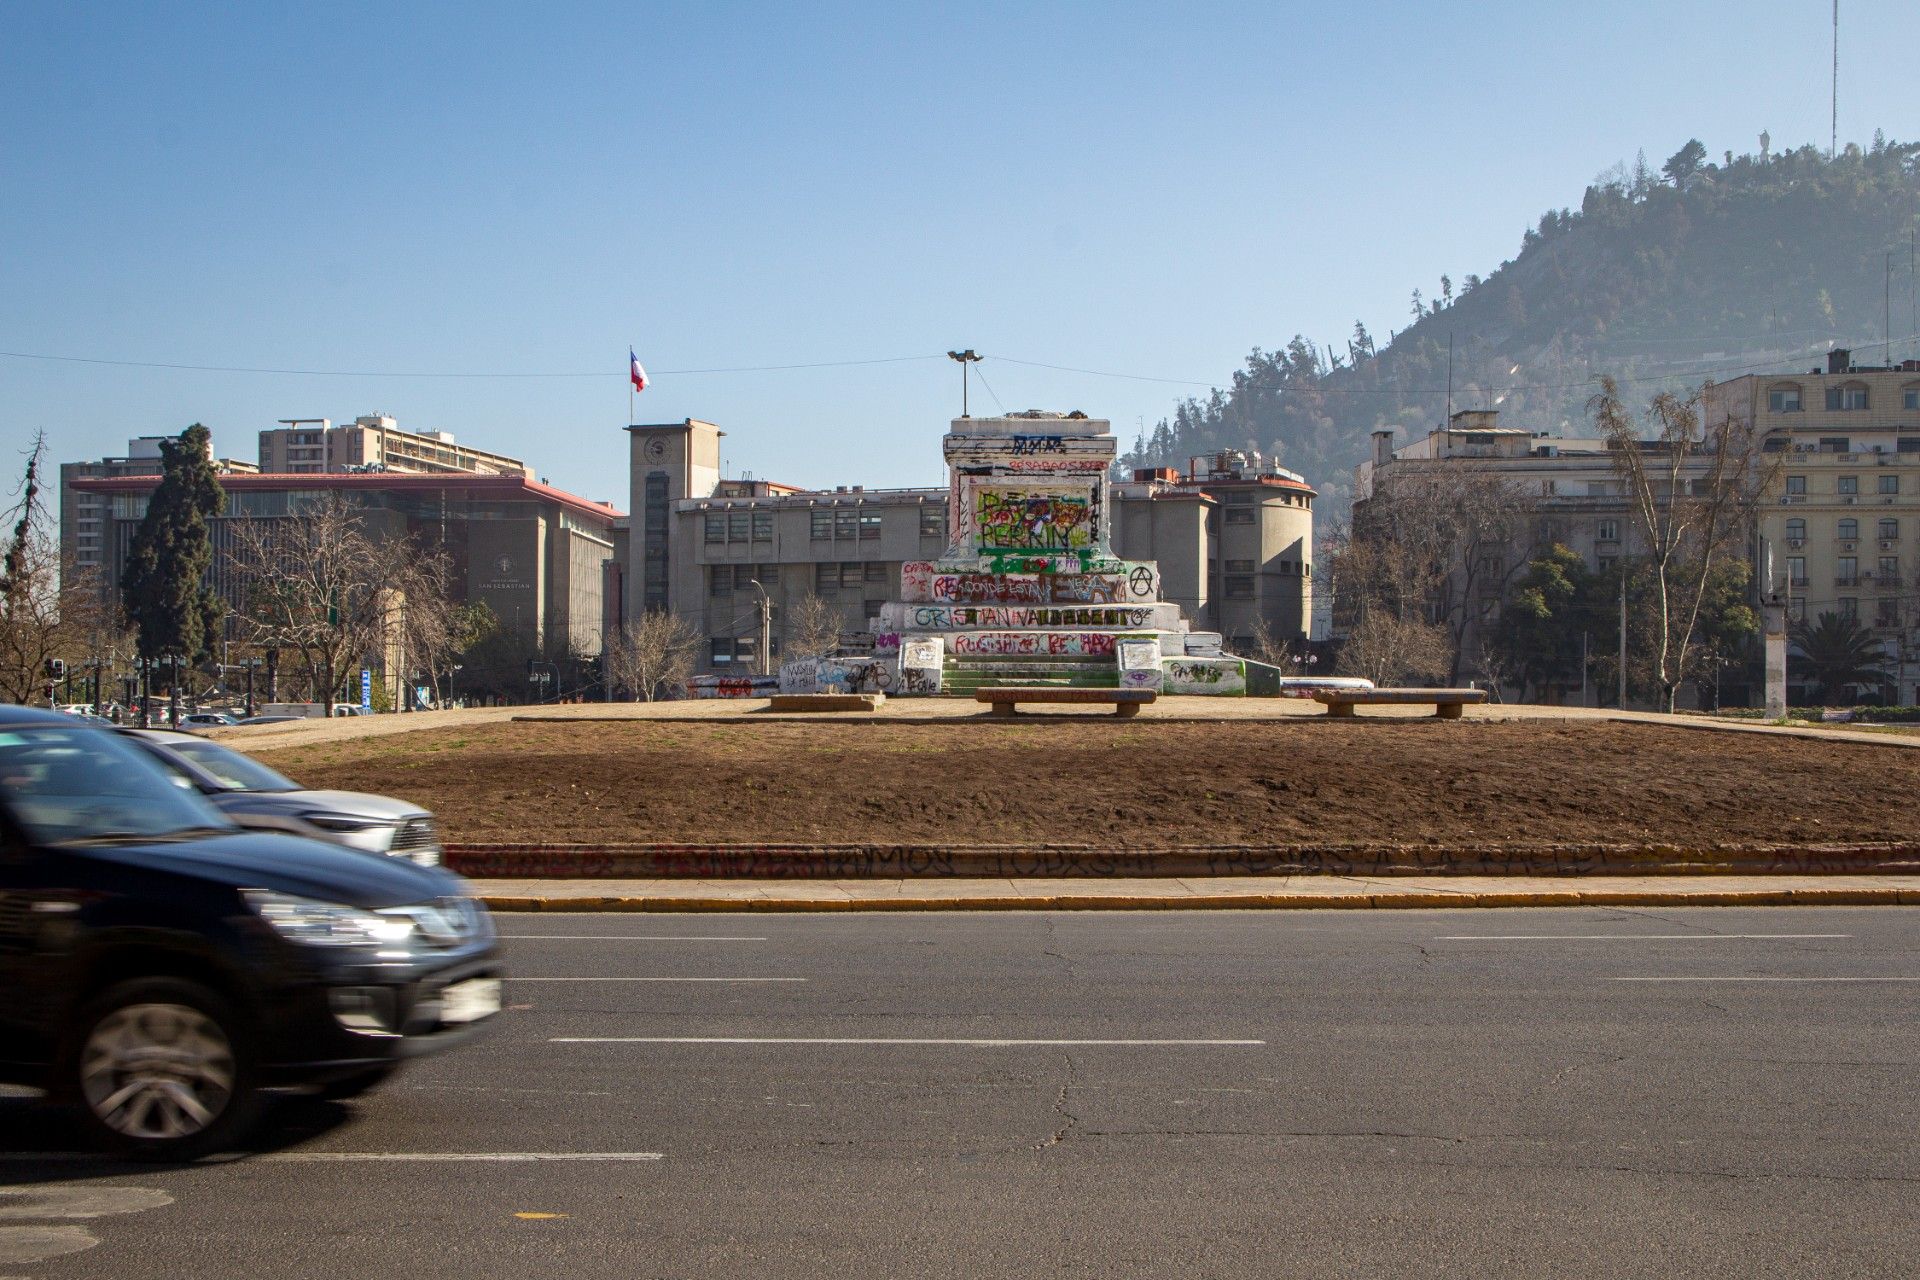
164, 586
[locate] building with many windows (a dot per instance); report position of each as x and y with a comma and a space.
1233, 538
85, 523
375, 442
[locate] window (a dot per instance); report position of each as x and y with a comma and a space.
1796, 530
826, 577
820, 523
874, 571
1848, 530
1889, 529
1835, 444
933, 520
1910, 397
1797, 608
1849, 485
733, 652
852, 573
763, 526
721, 654
1784, 399
1886, 613
1239, 586
719, 580
1851, 396
1850, 608
869, 524
716, 526
1889, 570
1490, 565
846, 522
1889, 484
1797, 486
739, 526
1605, 562
1797, 570
1240, 515
1608, 531
1846, 571
1240, 566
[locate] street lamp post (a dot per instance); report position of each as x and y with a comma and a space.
766, 628
964, 358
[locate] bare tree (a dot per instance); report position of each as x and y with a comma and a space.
1388, 649
1264, 646
652, 655
1693, 492
44, 613
319, 584
812, 627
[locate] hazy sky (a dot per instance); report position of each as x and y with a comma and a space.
1147, 189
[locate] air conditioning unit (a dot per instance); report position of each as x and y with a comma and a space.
1848, 500
1846, 544
1797, 543
1888, 544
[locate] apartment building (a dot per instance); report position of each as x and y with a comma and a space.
85, 521
375, 442
1232, 535
1842, 530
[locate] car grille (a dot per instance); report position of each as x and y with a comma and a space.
415, 833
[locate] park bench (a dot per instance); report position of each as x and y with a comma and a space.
1125, 702
1446, 703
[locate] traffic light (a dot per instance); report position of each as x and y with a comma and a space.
56, 668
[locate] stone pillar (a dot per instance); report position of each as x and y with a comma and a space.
1774, 627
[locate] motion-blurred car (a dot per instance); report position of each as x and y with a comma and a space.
256, 796
164, 966
207, 720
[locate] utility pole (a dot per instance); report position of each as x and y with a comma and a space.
1833, 125
1623, 638
766, 628
964, 358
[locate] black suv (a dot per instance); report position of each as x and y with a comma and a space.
162, 966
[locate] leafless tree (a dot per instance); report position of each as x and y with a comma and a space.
44, 613
1264, 646
320, 584
1693, 491
812, 628
1389, 649
652, 655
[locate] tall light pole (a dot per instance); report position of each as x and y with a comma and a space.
964, 358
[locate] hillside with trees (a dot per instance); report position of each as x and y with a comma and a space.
1660, 279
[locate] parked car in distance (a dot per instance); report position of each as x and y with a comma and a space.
207, 719
255, 796
253, 720
164, 966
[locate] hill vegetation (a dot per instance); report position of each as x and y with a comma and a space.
1659, 278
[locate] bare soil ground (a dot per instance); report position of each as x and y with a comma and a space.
1296, 781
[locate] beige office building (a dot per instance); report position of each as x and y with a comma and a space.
1233, 538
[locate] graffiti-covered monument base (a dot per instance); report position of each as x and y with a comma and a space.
1028, 591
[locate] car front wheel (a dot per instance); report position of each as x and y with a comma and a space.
161, 1069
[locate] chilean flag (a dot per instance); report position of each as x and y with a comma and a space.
635, 372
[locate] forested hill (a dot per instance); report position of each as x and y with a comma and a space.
1699, 269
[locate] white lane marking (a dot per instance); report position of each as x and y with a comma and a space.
1621, 937
78, 1202
623, 937
431, 1157
36, 1244
850, 1040
657, 979
1887, 979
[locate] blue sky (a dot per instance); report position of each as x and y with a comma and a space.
1149, 189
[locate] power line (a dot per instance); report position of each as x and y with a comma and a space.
370, 373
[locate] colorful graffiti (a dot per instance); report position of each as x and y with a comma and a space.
1089, 644
934, 617
1030, 520
1215, 676
1038, 444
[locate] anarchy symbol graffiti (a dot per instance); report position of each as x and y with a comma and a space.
1141, 581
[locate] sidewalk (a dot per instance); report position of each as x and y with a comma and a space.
1197, 894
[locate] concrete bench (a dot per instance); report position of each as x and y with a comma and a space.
1446, 703
825, 701
1125, 702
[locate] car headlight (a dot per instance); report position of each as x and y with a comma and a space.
327, 924
372, 834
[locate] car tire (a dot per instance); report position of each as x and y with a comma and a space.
161, 1069
356, 1084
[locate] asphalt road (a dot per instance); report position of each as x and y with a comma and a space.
1692, 1092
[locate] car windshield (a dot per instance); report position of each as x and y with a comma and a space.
82, 785
238, 772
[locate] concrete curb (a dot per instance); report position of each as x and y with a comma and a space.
1220, 902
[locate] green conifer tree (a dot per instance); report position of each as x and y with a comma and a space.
164, 588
